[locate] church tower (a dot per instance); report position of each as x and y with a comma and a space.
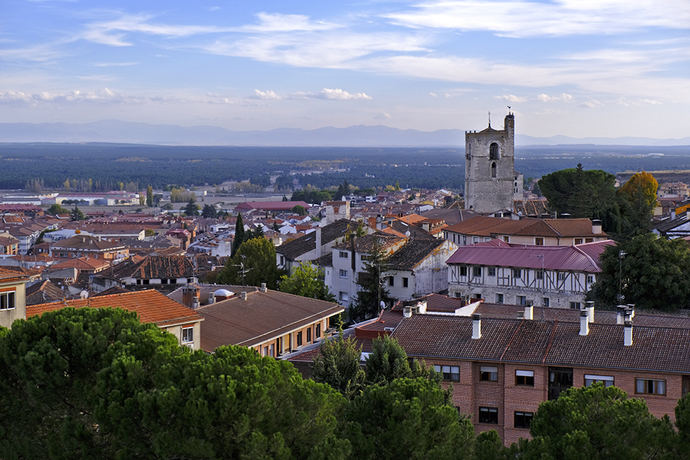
490, 177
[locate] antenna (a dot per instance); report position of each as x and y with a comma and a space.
489, 119
242, 270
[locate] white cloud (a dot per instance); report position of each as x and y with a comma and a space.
563, 97
115, 64
522, 18
342, 95
274, 22
266, 95
512, 98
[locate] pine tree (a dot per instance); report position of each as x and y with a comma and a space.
239, 234
149, 196
372, 291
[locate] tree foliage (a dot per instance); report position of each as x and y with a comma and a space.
637, 198
597, 422
95, 383
239, 234
581, 193
76, 214
56, 209
654, 274
192, 209
338, 365
149, 196
209, 211
299, 210
388, 361
407, 418
372, 289
253, 263
307, 281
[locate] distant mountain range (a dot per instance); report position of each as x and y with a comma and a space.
354, 136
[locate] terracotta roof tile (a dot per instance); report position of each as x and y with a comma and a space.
150, 305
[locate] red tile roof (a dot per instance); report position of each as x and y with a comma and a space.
150, 305
271, 205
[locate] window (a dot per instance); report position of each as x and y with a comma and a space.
343, 297
575, 305
493, 169
589, 240
391, 281
405, 282
488, 374
463, 270
517, 273
492, 271
539, 274
299, 338
318, 330
539, 241
590, 279
524, 378
7, 300
488, 415
546, 302
343, 273
282, 260
451, 373
561, 276
499, 298
521, 300
493, 151
523, 419
578, 240
591, 379
650, 386
187, 335
476, 271
309, 335
342, 254
506, 239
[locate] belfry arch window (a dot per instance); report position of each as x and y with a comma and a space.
493, 169
493, 151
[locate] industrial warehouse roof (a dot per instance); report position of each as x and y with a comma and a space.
582, 257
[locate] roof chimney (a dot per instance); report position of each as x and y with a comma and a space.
584, 323
407, 311
628, 334
243, 295
529, 311
590, 311
596, 226
318, 242
476, 326
620, 314
263, 287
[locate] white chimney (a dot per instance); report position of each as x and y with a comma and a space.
243, 295
407, 311
620, 314
421, 307
596, 227
529, 312
263, 287
628, 334
584, 323
476, 326
631, 310
590, 311
318, 242
211, 298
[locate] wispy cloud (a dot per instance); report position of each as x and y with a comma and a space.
563, 97
342, 95
521, 18
512, 98
266, 95
115, 64
274, 22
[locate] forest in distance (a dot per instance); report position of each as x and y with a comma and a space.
107, 166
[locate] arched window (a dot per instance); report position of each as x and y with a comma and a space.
493, 169
493, 151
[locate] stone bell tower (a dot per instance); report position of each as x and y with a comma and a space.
490, 177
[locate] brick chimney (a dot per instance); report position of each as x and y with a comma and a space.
476, 326
191, 296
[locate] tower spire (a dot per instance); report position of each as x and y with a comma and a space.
489, 119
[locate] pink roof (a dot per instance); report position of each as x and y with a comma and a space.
271, 205
583, 257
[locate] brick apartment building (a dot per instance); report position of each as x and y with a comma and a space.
501, 368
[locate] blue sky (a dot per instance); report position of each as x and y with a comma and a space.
574, 67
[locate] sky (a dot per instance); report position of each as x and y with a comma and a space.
579, 68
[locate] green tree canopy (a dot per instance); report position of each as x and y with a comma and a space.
95, 383
307, 281
597, 422
192, 209
56, 209
581, 193
149, 196
388, 361
209, 211
637, 198
338, 365
239, 234
408, 418
654, 274
253, 263
372, 287
299, 210
76, 214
